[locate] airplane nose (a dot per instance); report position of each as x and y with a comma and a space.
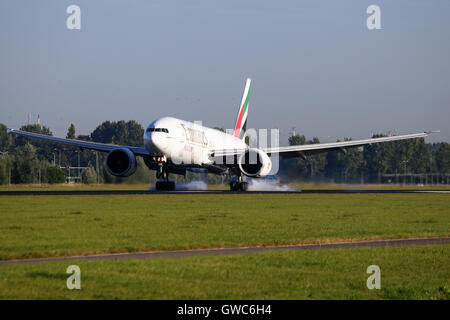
156, 143
155, 138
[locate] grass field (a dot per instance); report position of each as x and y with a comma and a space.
406, 273
40, 226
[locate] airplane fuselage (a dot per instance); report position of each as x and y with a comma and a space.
183, 142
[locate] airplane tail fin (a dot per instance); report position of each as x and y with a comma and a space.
241, 121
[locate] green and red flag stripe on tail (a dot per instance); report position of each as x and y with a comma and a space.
243, 111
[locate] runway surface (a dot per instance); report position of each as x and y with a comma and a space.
230, 251
151, 192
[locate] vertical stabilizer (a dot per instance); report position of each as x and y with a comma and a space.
241, 120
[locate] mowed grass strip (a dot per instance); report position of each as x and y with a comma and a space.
406, 273
41, 226
73, 187
225, 187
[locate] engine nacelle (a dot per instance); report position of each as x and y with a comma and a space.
121, 162
255, 163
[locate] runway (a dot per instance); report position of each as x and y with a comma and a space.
152, 192
231, 251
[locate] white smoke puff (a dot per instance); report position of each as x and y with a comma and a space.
261, 185
193, 185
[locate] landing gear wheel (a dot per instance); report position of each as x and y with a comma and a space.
165, 186
238, 186
170, 185
160, 185
234, 186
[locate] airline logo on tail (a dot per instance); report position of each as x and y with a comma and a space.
241, 120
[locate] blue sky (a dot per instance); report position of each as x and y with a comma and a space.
314, 64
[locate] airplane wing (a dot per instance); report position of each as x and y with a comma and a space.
311, 149
139, 151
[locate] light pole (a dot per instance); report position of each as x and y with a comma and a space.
404, 178
54, 156
96, 166
78, 169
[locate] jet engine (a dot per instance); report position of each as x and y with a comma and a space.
255, 163
121, 162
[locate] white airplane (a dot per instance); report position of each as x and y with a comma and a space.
174, 146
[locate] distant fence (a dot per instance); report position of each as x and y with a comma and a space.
417, 178
73, 178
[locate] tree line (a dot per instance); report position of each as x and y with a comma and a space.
25, 160
369, 164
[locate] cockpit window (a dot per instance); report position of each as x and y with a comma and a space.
157, 130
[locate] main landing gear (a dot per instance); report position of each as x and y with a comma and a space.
239, 184
163, 184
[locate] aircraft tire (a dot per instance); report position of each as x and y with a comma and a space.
234, 186
165, 185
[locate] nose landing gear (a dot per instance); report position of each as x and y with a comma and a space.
163, 184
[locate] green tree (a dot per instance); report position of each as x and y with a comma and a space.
316, 163
71, 153
290, 169
135, 134
412, 156
71, 132
5, 165
55, 175
89, 176
44, 150
84, 137
296, 140
374, 156
345, 166
352, 163
310, 168
5, 139
125, 133
418, 155
26, 164
443, 158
